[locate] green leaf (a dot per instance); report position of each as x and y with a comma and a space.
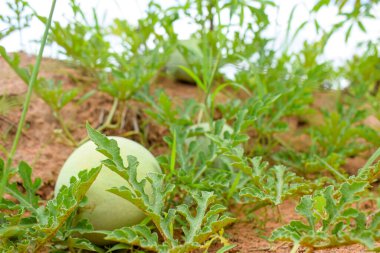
332, 220
57, 211
271, 186
305, 208
25, 172
197, 80
350, 192
139, 235
348, 33
362, 27
320, 4
14, 63
83, 244
109, 148
226, 248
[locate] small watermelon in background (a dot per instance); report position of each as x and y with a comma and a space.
203, 142
177, 59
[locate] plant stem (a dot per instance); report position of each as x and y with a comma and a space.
203, 169
376, 88
4, 150
121, 116
371, 160
66, 131
32, 81
107, 124
210, 16
332, 170
295, 248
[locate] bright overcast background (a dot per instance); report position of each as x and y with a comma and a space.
132, 10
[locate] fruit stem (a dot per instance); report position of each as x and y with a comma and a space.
65, 129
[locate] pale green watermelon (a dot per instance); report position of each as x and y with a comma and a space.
177, 59
105, 210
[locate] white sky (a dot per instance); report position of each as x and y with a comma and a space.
132, 10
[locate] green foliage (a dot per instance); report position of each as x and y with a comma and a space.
195, 161
284, 85
134, 68
331, 217
14, 63
27, 226
354, 14
220, 36
132, 74
195, 229
19, 19
341, 130
222, 165
5, 33
84, 43
162, 109
7, 103
271, 186
337, 138
52, 93
362, 72
90, 54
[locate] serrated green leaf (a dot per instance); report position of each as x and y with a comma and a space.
332, 220
83, 244
139, 235
52, 217
272, 185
